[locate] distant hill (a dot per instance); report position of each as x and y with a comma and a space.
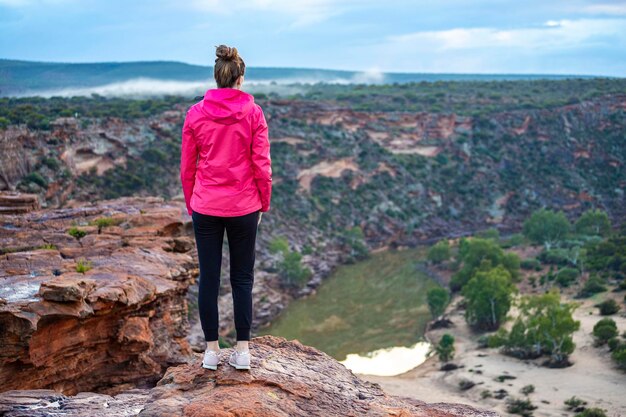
27, 78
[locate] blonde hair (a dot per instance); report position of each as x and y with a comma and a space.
228, 66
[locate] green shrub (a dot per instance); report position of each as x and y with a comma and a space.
279, 244
491, 233
522, 407
604, 330
593, 222
439, 252
438, 299
613, 344
47, 246
546, 227
619, 355
76, 232
51, 163
594, 285
592, 412
83, 265
514, 240
558, 257
608, 307
353, 241
566, 276
531, 264
291, 270
105, 222
35, 178
445, 348
574, 403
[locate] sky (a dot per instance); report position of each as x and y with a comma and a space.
436, 36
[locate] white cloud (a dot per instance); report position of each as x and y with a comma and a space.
611, 9
302, 12
583, 46
551, 35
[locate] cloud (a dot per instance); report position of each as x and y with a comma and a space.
149, 87
565, 46
610, 9
551, 35
302, 12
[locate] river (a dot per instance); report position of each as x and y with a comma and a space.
371, 315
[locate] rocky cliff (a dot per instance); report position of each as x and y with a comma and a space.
93, 297
286, 379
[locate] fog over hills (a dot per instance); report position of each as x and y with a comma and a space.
149, 78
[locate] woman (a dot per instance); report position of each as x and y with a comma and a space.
226, 174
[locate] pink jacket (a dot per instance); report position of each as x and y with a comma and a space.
225, 164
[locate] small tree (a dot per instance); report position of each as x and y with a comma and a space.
439, 252
546, 227
354, 241
483, 254
445, 348
489, 295
292, 271
438, 299
593, 222
550, 324
544, 326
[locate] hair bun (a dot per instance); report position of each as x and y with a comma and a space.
226, 52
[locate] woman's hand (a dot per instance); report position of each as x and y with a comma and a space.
260, 214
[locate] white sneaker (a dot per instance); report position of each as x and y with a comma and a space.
211, 359
240, 360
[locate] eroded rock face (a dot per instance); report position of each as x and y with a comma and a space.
103, 312
286, 379
12, 202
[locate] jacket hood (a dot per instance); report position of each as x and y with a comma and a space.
227, 105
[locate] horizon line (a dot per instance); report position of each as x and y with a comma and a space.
314, 68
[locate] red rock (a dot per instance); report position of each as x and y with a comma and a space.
12, 202
286, 379
119, 324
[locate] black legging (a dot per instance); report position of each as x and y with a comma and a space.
241, 232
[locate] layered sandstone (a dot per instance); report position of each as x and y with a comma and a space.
286, 379
12, 202
93, 297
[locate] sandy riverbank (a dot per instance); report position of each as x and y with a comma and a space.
593, 377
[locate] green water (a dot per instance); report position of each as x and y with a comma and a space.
376, 303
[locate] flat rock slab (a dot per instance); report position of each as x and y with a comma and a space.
286, 378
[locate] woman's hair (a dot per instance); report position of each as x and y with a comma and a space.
228, 66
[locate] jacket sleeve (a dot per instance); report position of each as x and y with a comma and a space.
188, 161
261, 160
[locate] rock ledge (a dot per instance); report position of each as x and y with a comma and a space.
287, 379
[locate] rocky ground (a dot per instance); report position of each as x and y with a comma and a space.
94, 320
286, 379
104, 311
